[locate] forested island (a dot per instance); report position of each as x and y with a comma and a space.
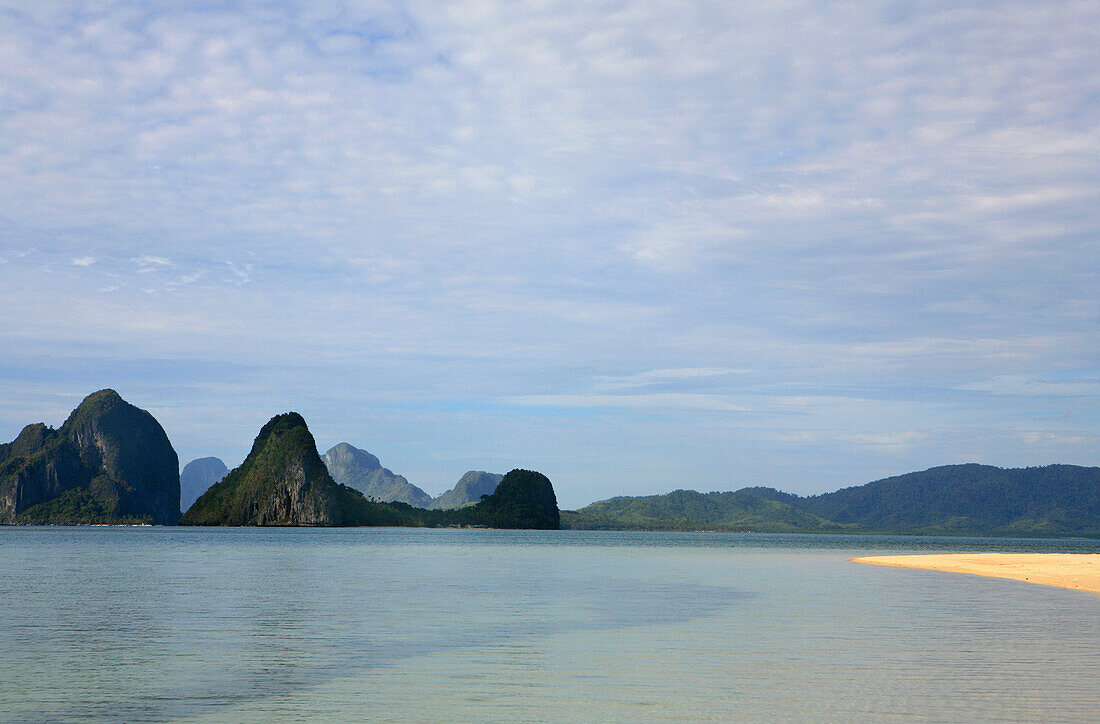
112, 463
970, 499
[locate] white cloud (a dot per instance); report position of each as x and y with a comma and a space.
83, 260
655, 400
151, 261
1015, 385
664, 376
1044, 437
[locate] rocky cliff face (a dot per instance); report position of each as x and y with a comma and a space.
282, 482
39, 466
110, 462
362, 471
469, 489
196, 478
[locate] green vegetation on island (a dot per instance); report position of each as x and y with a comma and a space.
109, 463
970, 499
523, 499
283, 481
751, 509
1062, 500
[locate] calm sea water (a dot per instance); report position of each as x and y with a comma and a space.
155, 624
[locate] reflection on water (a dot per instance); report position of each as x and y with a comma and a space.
391, 624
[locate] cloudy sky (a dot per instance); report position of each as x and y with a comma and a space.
634, 245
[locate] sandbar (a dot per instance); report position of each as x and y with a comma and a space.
1077, 571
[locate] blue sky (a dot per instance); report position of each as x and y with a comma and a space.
634, 245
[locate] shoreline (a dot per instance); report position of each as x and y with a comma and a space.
1073, 571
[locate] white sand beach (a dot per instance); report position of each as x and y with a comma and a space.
1077, 571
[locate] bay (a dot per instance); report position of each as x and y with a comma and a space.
175, 624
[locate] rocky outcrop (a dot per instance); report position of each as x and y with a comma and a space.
196, 478
524, 499
469, 489
282, 482
110, 462
362, 471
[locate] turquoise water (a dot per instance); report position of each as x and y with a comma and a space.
155, 624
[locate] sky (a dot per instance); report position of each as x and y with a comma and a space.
637, 246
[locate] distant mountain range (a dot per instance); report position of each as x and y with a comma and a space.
971, 499
358, 469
